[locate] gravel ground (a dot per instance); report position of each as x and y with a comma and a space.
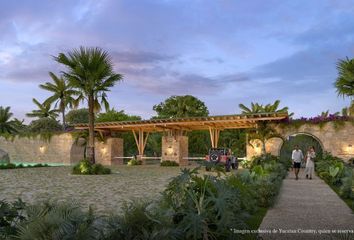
307, 205
105, 193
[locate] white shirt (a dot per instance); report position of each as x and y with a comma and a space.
297, 155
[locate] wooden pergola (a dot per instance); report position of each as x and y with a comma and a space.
214, 124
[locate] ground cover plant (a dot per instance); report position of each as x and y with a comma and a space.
194, 205
338, 175
169, 164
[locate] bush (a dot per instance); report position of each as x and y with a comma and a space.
169, 164
84, 167
134, 162
77, 116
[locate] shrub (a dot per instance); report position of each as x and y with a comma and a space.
169, 164
84, 167
133, 162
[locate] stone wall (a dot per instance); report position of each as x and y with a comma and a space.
60, 150
175, 148
339, 142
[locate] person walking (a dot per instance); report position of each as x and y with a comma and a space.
296, 158
310, 162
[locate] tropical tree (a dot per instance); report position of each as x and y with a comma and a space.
113, 116
90, 70
181, 106
76, 116
63, 94
264, 131
259, 108
345, 81
6, 125
44, 110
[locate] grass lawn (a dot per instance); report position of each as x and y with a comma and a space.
105, 193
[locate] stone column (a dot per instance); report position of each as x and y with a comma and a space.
106, 152
175, 148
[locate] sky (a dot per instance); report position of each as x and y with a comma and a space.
224, 52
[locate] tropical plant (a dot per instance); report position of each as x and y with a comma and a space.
44, 110
7, 126
76, 116
113, 116
63, 94
90, 70
180, 107
260, 108
44, 125
345, 80
85, 167
58, 221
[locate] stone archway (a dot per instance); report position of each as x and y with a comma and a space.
304, 140
4, 157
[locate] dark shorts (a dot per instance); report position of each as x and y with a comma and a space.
297, 165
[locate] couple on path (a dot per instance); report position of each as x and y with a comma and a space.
297, 157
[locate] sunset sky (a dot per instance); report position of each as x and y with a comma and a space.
224, 52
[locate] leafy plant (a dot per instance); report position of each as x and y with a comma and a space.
85, 167
134, 162
10, 216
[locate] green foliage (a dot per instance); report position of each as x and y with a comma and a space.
260, 108
44, 110
44, 125
114, 116
76, 116
7, 126
336, 173
85, 167
56, 222
13, 166
181, 107
10, 216
345, 80
134, 162
169, 164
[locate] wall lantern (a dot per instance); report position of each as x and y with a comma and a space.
170, 150
41, 149
103, 149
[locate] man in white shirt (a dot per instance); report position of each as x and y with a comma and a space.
296, 158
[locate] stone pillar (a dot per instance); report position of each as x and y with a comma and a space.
175, 148
105, 152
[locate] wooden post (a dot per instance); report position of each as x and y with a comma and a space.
214, 136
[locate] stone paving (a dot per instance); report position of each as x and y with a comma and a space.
305, 208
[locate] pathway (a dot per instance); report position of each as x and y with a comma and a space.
305, 208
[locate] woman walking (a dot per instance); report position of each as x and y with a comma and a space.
310, 162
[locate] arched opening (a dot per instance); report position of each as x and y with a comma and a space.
4, 157
304, 141
77, 151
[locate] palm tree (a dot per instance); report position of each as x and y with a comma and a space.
44, 110
259, 108
90, 70
6, 125
62, 94
345, 79
264, 131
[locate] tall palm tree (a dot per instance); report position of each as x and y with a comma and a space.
63, 94
6, 125
44, 110
345, 79
90, 70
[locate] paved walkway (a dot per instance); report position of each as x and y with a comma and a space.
307, 206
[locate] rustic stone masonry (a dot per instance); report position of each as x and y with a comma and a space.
339, 142
175, 148
60, 150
